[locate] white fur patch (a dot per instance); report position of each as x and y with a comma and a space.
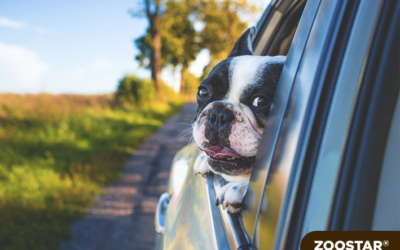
232, 193
199, 133
244, 140
245, 132
243, 71
201, 166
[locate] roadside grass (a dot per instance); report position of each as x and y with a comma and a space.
56, 152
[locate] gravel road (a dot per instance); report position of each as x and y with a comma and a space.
124, 217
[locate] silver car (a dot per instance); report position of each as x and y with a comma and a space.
329, 156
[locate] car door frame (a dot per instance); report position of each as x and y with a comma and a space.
357, 188
317, 198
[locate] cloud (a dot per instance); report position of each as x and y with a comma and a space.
100, 64
19, 65
5, 22
41, 30
75, 73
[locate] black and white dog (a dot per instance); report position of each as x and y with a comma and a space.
233, 104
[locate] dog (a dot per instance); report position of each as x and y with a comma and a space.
233, 105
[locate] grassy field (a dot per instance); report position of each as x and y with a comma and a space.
56, 152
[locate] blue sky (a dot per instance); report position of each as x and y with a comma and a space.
71, 46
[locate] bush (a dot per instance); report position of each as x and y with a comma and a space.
142, 92
135, 90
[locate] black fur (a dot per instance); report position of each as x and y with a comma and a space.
242, 46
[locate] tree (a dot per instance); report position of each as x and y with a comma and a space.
179, 36
179, 45
152, 44
222, 27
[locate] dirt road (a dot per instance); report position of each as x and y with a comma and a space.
124, 217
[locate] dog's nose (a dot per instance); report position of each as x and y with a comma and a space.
220, 118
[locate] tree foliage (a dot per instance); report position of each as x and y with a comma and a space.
181, 42
223, 25
178, 34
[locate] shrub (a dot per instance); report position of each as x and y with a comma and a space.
135, 90
141, 92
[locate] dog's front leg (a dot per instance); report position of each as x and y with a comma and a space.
201, 165
232, 194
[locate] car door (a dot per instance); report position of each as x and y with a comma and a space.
312, 171
322, 170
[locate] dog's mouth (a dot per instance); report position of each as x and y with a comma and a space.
225, 161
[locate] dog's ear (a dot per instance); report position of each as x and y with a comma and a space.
244, 45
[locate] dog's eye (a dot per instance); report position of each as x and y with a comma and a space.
259, 102
203, 92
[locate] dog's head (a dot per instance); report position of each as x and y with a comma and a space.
233, 104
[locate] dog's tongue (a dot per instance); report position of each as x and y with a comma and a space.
219, 151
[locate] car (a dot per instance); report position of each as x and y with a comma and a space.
329, 156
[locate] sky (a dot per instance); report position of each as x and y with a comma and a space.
81, 47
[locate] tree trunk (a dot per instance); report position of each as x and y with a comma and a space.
184, 71
156, 55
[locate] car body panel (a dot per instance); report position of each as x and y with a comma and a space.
192, 217
187, 227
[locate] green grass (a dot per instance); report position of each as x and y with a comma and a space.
56, 152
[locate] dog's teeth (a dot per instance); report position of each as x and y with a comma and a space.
233, 158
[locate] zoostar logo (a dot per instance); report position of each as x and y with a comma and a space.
351, 240
350, 245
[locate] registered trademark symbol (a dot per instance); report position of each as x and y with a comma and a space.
386, 243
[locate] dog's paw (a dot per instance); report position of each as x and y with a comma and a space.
201, 165
231, 195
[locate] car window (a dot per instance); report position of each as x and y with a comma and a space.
276, 30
